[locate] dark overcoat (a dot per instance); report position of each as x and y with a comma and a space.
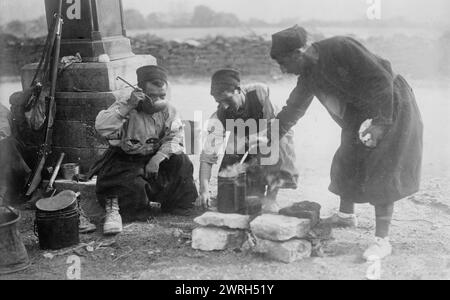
355, 85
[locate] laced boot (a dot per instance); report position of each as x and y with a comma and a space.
113, 220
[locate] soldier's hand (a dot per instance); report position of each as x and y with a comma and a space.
371, 135
136, 97
203, 200
152, 167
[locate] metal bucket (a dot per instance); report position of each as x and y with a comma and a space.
57, 226
253, 205
70, 170
13, 255
231, 192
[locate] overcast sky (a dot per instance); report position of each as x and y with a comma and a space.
269, 10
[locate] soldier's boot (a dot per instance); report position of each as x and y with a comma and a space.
113, 220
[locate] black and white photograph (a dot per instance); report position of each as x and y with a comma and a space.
224, 147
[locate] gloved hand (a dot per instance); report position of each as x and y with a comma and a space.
136, 97
152, 167
370, 135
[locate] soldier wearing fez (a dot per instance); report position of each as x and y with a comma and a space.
236, 103
379, 159
146, 161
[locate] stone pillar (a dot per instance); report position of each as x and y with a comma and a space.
91, 28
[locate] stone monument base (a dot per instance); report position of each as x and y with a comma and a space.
84, 89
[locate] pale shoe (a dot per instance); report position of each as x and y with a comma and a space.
341, 220
378, 250
113, 220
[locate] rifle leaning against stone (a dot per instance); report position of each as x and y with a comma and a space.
45, 149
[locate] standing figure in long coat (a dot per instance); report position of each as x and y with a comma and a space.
379, 159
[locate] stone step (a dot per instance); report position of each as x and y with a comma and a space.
94, 77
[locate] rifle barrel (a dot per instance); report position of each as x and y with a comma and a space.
35, 177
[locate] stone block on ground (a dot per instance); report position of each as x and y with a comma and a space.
279, 228
212, 238
303, 210
232, 221
286, 252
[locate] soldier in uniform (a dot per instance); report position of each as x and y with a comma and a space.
146, 161
379, 159
245, 102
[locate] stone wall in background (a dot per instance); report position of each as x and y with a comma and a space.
414, 57
17, 52
202, 57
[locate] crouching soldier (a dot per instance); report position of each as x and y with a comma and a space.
245, 103
145, 162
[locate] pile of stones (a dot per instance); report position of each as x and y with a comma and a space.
293, 234
219, 231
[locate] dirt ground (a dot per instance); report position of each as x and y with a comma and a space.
160, 248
